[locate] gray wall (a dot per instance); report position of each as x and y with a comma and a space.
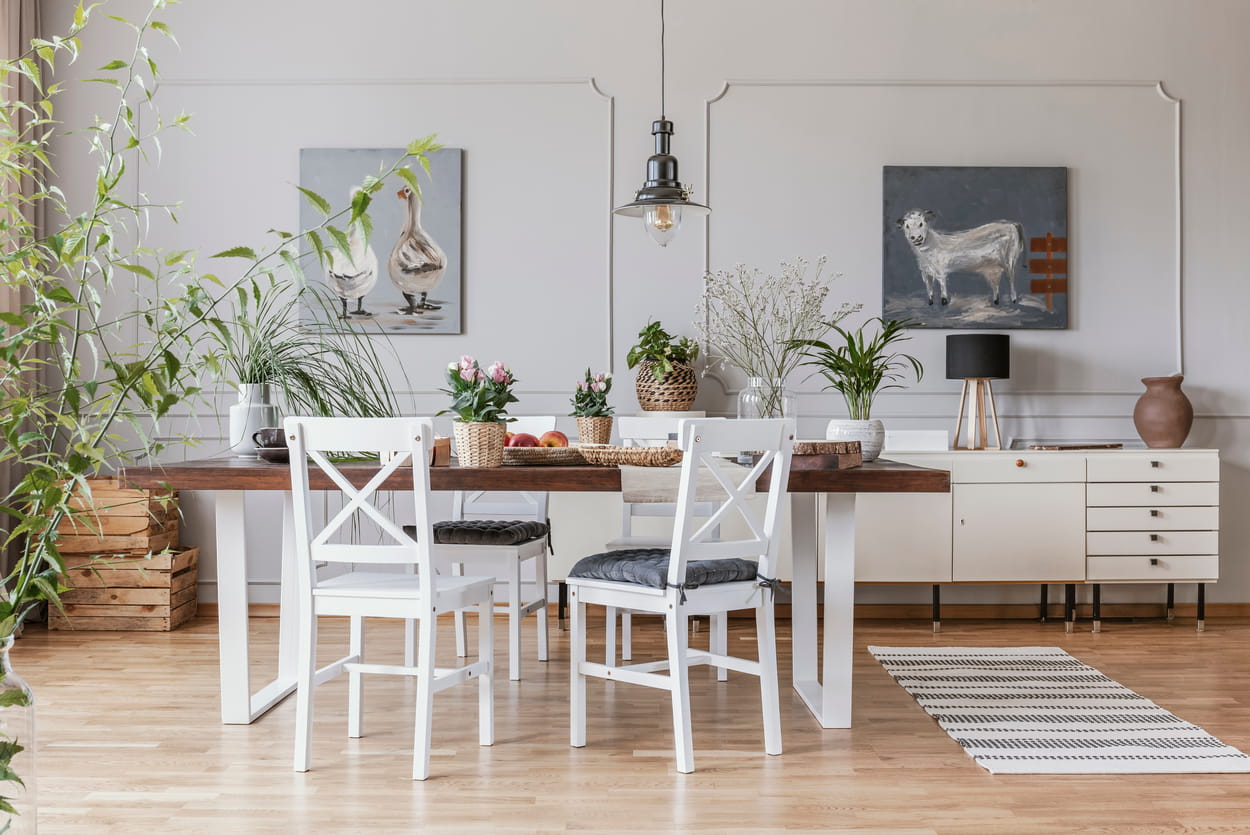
785, 113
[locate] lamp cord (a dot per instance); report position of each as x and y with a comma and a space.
662, 60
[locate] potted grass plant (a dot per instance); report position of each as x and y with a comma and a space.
591, 409
860, 368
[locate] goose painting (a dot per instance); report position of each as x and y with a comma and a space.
401, 273
352, 274
417, 263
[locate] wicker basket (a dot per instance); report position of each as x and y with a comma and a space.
605, 455
675, 393
555, 456
594, 430
479, 444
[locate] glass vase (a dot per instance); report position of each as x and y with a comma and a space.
766, 398
18, 804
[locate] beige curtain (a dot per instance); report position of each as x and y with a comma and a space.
19, 23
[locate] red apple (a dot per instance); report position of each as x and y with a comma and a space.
522, 439
507, 438
553, 438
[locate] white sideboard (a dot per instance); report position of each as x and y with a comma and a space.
1090, 516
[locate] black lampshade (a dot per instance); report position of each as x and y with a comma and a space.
971, 355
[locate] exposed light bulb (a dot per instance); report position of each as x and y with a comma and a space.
662, 222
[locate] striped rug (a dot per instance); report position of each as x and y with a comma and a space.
1038, 710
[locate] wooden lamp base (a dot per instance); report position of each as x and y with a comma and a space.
981, 393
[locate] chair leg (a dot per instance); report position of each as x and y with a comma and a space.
355, 679
462, 632
514, 622
305, 667
486, 682
627, 635
410, 632
425, 700
577, 681
678, 670
770, 699
540, 579
718, 641
609, 637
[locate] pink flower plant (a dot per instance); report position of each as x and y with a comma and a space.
479, 396
591, 397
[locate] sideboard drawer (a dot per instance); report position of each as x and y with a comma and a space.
1140, 569
1155, 466
1161, 518
1143, 542
1011, 468
1143, 494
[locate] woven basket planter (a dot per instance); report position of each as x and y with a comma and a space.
674, 393
479, 444
594, 430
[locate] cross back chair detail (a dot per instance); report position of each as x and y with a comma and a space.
700, 575
364, 591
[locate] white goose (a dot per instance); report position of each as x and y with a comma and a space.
417, 263
354, 273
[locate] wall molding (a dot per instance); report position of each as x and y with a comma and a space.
1156, 85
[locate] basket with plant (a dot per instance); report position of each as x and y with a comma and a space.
479, 399
591, 409
666, 381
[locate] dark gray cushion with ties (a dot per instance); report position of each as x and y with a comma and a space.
485, 532
649, 567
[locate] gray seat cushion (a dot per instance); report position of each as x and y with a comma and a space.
649, 567
485, 532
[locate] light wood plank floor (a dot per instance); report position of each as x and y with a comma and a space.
130, 742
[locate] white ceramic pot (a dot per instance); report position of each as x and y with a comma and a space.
253, 411
869, 433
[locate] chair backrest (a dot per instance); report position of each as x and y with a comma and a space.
703, 442
405, 442
513, 505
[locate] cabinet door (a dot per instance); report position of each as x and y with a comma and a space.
903, 537
1019, 532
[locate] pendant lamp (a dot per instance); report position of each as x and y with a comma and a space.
662, 201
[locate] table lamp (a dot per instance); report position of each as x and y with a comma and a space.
977, 358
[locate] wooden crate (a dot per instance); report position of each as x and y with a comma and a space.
114, 520
133, 593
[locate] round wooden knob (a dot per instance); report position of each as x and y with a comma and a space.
1019, 462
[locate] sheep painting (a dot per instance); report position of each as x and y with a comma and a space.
990, 250
956, 241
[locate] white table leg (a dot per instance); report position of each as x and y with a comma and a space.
824, 534
239, 706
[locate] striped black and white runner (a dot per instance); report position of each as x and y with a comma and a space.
1038, 710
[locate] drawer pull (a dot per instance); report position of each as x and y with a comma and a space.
1154, 537
1156, 464
1154, 488
1019, 462
1154, 560
1154, 513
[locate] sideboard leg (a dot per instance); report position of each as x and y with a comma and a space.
1202, 607
562, 607
1171, 599
1097, 607
1069, 606
937, 608
1045, 603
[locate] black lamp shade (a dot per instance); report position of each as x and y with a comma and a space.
970, 355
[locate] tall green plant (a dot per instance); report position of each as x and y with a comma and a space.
860, 368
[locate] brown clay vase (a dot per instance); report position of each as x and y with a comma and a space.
1163, 414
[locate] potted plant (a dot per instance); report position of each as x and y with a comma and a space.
479, 399
666, 381
859, 369
590, 407
759, 323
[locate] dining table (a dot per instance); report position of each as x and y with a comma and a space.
823, 519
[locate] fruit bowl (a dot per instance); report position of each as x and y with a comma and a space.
567, 456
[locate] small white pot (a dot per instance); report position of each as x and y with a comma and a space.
869, 433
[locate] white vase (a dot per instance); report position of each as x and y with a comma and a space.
253, 411
869, 433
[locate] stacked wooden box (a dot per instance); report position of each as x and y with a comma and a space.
123, 562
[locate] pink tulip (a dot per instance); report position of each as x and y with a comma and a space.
467, 361
594, 386
469, 374
581, 386
498, 373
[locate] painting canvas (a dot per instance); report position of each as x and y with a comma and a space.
406, 278
975, 246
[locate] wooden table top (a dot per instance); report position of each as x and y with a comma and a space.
254, 474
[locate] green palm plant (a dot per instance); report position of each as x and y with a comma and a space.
862, 367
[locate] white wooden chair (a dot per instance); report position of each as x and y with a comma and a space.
361, 593
700, 576
505, 562
652, 431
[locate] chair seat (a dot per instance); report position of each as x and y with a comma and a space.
649, 567
390, 585
488, 532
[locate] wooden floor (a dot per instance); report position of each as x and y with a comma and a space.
130, 742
